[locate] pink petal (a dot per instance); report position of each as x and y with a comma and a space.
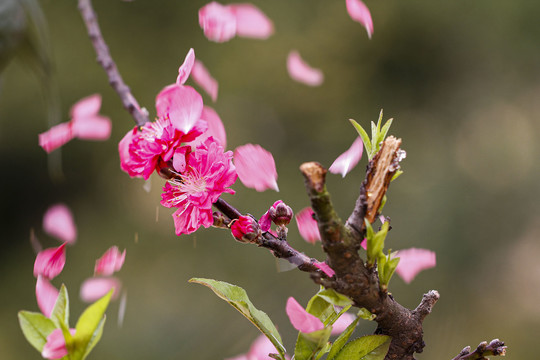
95, 288
307, 225
179, 158
215, 127
92, 128
256, 167
300, 71
265, 222
218, 22
359, 12
325, 268
363, 244
50, 262
342, 323
202, 77
412, 261
110, 262
185, 69
182, 104
46, 295
55, 137
58, 222
251, 22
348, 160
55, 348
300, 319
261, 347
86, 107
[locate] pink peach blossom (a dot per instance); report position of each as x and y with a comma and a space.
50, 262
256, 167
55, 347
349, 159
95, 288
251, 22
58, 222
300, 319
217, 21
359, 12
110, 262
201, 76
307, 225
46, 295
300, 71
412, 261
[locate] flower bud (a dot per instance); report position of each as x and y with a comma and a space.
245, 229
280, 213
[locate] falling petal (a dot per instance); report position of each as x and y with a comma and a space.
46, 295
251, 22
50, 262
359, 12
122, 308
58, 222
300, 319
92, 128
256, 167
181, 104
202, 77
86, 107
95, 288
185, 69
55, 137
412, 261
363, 244
325, 268
215, 128
307, 225
300, 71
217, 21
348, 160
342, 323
111, 262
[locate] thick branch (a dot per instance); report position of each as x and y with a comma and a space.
494, 348
107, 63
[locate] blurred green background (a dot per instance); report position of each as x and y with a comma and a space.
461, 80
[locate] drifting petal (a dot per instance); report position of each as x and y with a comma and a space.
46, 295
348, 160
412, 261
202, 77
181, 104
92, 128
215, 128
342, 323
110, 262
50, 262
300, 71
185, 69
217, 21
95, 288
251, 22
300, 319
86, 107
307, 225
256, 167
55, 348
363, 244
58, 222
55, 137
359, 12
325, 268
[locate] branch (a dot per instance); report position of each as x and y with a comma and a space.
107, 63
426, 305
494, 348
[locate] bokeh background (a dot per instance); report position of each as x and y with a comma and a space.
461, 80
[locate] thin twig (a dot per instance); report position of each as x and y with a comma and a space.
494, 348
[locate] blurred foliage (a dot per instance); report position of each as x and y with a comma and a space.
460, 78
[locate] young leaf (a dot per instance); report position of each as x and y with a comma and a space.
371, 347
396, 175
308, 346
365, 138
87, 327
334, 298
384, 130
35, 327
342, 340
365, 314
60, 313
96, 336
237, 297
374, 136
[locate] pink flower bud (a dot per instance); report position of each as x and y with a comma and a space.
55, 348
245, 229
280, 213
50, 262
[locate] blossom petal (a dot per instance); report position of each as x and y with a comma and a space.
307, 225
58, 222
412, 261
359, 12
110, 262
92, 128
55, 137
185, 69
181, 104
251, 22
256, 167
86, 107
217, 21
325, 268
349, 159
95, 288
50, 262
342, 323
300, 319
202, 77
55, 348
363, 244
46, 295
191, 218
300, 71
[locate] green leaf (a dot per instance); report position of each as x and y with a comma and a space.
335, 298
96, 336
237, 298
374, 136
365, 138
396, 175
371, 347
375, 241
309, 345
365, 314
87, 327
60, 313
384, 131
342, 340
35, 327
